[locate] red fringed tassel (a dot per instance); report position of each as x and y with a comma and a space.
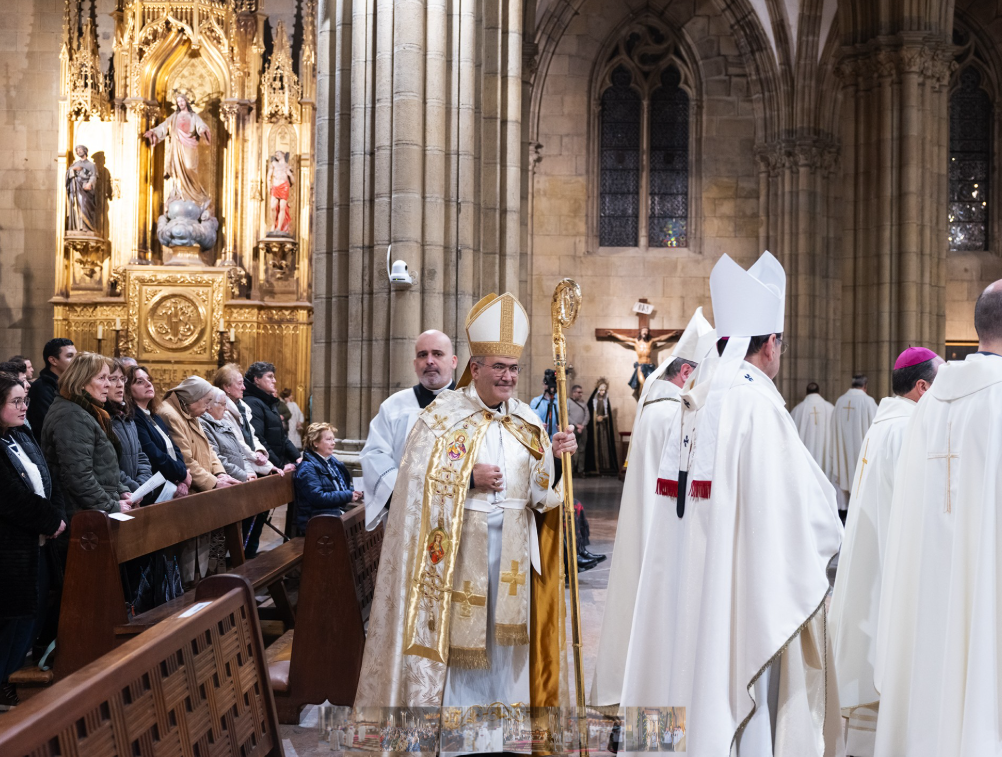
700, 489
668, 488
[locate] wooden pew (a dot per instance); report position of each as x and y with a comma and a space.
93, 617
322, 659
191, 685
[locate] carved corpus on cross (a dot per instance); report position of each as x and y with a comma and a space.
643, 344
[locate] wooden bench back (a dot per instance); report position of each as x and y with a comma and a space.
93, 602
340, 561
190, 685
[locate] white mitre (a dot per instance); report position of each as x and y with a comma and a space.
748, 303
496, 326
695, 343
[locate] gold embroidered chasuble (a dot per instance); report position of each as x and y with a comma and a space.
430, 605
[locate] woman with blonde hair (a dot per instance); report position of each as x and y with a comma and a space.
323, 485
230, 379
78, 440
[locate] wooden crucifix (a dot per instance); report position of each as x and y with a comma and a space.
644, 342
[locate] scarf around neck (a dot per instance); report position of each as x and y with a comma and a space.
96, 410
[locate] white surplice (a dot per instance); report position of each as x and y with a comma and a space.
813, 418
856, 600
851, 418
731, 595
384, 446
636, 511
939, 636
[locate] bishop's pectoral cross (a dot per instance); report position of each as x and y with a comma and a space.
467, 600
949, 456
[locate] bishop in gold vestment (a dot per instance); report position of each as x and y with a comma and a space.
468, 608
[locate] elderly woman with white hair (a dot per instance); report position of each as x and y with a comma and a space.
182, 406
224, 440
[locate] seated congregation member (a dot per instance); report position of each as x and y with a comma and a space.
79, 442
153, 431
182, 407
30, 511
226, 443
230, 379
260, 396
323, 484
133, 462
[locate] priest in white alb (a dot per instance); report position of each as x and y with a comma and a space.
939, 636
467, 606
656, 411
854, 412
813, 418
856, 600
434, 363
729, 620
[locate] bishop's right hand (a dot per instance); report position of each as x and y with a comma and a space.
487, 478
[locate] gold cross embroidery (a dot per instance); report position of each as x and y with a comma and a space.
814, 412
513, 578
467, 599
864, 461
440, 422
949, 456
848, 407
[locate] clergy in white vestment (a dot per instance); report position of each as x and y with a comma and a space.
939, 634
730, 612
854, 412
656, 411
813, 418
856, 600
434, 363
467, 605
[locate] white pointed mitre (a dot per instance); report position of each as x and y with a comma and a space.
748, 303
697, 339
496, 326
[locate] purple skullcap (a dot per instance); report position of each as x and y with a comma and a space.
913, 356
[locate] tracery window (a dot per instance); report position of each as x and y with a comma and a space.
970, 162
644, 143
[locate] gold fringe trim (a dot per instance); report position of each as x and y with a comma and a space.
771, 660
469, 658
511, 634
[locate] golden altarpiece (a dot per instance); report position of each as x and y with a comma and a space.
184, 237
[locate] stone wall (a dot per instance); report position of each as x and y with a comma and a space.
563, 237
29, 84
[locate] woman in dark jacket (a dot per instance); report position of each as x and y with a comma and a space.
259, 394
132, 460
323, 484
29, 512
78, 442
153, 431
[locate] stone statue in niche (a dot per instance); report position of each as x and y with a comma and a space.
280, 177
81, 194
189, 220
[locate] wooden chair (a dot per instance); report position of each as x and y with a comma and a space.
322, 658
195, 684
93, 616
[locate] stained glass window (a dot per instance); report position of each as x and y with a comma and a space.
970, 162
619, 199
668, 213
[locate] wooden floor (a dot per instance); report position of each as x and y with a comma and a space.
601, 500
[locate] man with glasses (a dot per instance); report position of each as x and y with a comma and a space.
730, 611
470, 576
434, 364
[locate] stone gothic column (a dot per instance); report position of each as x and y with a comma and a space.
895, 117
418, 147
795, 178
